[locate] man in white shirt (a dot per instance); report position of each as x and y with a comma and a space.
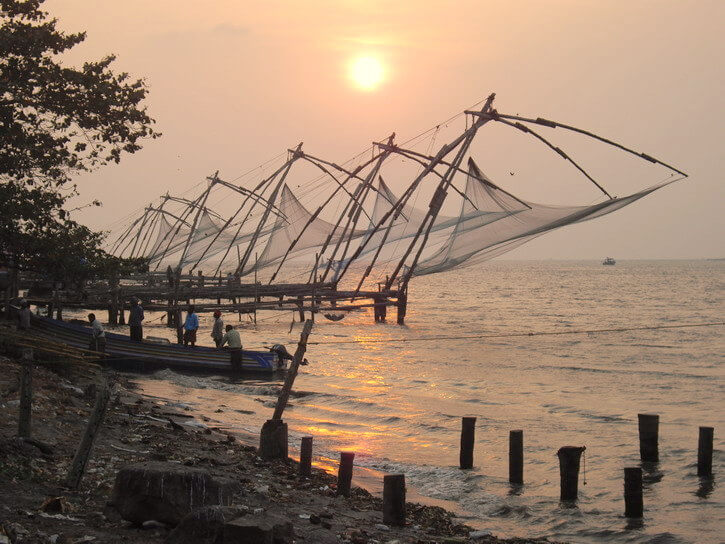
235, 347
98, 338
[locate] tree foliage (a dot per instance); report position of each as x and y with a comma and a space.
55, 122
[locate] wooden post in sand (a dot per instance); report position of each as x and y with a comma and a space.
344, 473
468, 435
306, 457
633, 503
273, 436
648, 437
516, 457
58, 305
26, 394
569, 457
78, 465
704, 451
394, 499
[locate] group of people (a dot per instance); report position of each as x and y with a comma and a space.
220, 334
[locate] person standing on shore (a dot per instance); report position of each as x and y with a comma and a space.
217, 333
191, 325
135, 320
98, 337
234, 341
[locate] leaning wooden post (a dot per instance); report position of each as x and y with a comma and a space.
394, 499
78, 465
468, 435
26, 394
516, 457
633, 503
569, 457
273, 436
344, 473
306, 457
648, 437
704, 451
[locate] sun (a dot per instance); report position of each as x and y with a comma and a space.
367, 72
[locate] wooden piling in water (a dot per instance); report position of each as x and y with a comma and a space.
80, 460
402, 305
26, 394
633, 502
516, 457
344, 473
468, 435
704, 451
648, 437
394, 499
569, 458
306, 457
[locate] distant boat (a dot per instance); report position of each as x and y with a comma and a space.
609, 261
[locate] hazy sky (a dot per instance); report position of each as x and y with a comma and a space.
234, 83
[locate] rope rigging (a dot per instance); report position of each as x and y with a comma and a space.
522, 334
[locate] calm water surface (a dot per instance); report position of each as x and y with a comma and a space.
398, 404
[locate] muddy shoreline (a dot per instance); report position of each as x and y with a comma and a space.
141, 429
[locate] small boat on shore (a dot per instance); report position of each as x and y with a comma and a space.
609, 261
124, 353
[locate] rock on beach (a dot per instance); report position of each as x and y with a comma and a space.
167, 492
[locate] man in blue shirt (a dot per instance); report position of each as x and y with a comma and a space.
135, 320
190, 327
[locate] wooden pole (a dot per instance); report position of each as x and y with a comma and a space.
292, 372
344, 473
569, 457
648, 437
300, 307
394, 499
306, 457
78, 465
58, 306
704, 451
256, 288
516, 457
633, 503
468, 434
122, 311
402, 305
273, 436
26, 394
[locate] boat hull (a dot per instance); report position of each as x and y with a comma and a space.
124, 353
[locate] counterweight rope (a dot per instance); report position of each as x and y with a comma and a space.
518, 334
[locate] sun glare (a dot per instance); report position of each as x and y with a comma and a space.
366, 72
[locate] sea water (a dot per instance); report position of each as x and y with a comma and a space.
395, 397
